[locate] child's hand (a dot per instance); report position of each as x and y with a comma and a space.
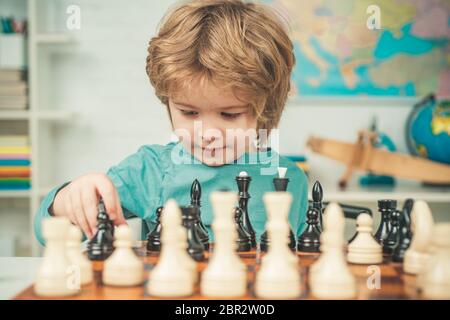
78, 201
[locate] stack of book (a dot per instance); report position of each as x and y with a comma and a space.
14, 162
13, 90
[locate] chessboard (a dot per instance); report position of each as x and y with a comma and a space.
384, 281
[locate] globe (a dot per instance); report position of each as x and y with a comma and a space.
428, 130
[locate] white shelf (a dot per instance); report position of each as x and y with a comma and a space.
15, 193
53, 38
400, 192
41, 115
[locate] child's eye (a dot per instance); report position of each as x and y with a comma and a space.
228, 115
189, 113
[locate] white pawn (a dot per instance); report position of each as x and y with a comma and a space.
364, 249
55, 277
168, 279
76, 257
279, 277
435, 278
123, 268
418, 253
333, 280
226, 275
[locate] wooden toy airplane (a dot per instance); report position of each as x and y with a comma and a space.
363, 156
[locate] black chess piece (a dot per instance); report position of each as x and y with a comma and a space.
385, 207
195, 246
100, 247
317, 198
392, 238
243, 182
404, 231
244, 240
196, 193
280, 184
309, 240
154, 236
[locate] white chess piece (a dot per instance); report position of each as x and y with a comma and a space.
168, 279
282, 172
226, 275
364, 249
333, 219
123, 267
418, 253
333, 280
279, 277
55, 277
76, 257
435, 278
277, 206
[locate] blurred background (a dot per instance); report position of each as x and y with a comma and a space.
75, 98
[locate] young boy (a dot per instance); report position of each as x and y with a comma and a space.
222, 69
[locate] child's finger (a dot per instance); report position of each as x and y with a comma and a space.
107, 192
80, 214
89, 203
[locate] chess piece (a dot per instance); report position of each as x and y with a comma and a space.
334, 221
317, 197
385, 207
196, 192
435, 278
226, 275
244, 240
100, 247
280, 184
195, 246
76, 257
186, 260
154, 236
364, 249
333, 279
170, 277
418, 253
279, 277
123, 268
56, 277
392, 238
404, 231
309, 240
243, 182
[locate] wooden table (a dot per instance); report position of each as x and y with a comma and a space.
394, 283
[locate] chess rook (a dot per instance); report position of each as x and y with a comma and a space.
385, 207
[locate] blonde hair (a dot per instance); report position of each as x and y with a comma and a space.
241, 44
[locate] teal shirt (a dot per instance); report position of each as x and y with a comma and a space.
146, 179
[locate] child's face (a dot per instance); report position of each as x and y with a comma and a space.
205, 118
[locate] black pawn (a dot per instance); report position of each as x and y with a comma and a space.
317, 198
101, 246
244, 240
243, 183
309, 241
195, 245
154, 236
404, 231
196, 193
392, 238
385, 207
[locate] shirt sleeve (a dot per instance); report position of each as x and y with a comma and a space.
44, 212
137, 179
